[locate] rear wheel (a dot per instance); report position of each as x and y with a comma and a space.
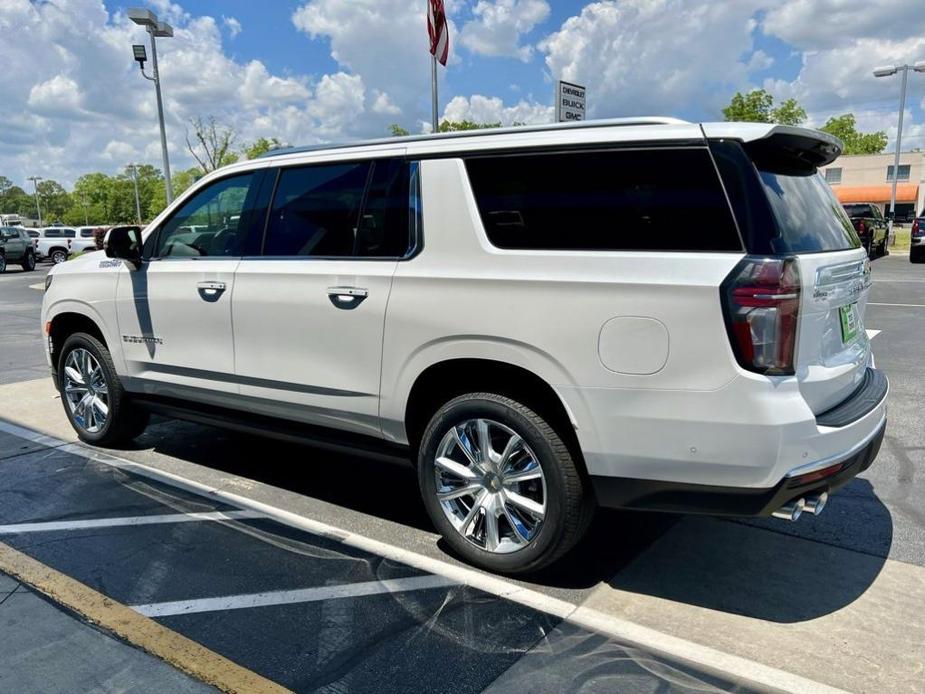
2, 263
58, 256
917, 255
500, 484
97, 406
28, 262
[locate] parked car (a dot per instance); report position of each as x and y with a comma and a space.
516, 311
54, 243
871, 226
917, 249
85, 240
16, 247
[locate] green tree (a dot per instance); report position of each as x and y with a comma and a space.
184, 179
55, 200
844, 128
212, 144
397, 131
261, 145
789, 113
757, 106
14, 200
449, 126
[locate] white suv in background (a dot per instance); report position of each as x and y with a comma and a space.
647, 314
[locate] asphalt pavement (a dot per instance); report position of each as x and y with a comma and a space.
838, 599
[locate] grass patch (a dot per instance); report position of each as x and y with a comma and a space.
902, 239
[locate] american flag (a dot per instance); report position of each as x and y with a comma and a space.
438, 30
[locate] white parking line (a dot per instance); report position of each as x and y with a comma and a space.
289, 597
704, 658
871, 334
51, 526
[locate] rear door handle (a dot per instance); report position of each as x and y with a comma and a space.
210, 290
347, 298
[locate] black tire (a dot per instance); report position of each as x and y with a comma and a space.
2, 263
916, 255
569, 505
125, 421
58, 255
28, 262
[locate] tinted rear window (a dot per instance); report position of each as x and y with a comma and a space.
858, 210
656, 199
808, 215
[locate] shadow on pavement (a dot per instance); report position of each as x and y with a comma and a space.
390, 491
775, 571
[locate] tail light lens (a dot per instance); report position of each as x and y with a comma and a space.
861, 227
761, 301
917, 228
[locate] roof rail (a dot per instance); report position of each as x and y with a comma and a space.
482, 132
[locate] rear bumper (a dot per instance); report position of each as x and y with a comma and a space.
656, 495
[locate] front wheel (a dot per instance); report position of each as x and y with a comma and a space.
2, 263
95, 402
28, 263
500, 484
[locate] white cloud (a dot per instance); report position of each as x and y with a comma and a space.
59, 96
632, 65
385, 42
499, 25
817, 24
232, 26
71, 105
491, 109
759, 61
338, 102
382, 103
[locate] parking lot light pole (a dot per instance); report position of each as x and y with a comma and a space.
889, 71
38, 207
137, 201
155, 29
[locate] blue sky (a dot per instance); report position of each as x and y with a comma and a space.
321, 70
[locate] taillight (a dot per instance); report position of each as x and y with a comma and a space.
761, 300
916, 228
861, 227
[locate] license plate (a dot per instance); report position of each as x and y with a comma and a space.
848, 315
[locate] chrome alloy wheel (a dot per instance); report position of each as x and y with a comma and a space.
85, 390
490, 485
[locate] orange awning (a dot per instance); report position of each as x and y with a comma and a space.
905, 192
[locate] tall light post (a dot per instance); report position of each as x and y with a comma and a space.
38, 207
137, 201
888, 71
155, 29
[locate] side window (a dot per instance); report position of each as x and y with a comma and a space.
52, 234
341, 211
214, 222
384, 229
316, 210
658, 199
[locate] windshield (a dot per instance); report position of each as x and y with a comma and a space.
809, 217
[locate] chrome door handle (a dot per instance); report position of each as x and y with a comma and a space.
210, 290
347, 298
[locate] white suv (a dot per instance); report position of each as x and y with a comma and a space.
645, 314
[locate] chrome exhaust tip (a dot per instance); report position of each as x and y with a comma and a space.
816, 502
791, 511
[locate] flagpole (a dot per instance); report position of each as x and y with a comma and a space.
433, 92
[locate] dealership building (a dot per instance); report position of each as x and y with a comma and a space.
869, 178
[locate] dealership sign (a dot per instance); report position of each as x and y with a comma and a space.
570, 102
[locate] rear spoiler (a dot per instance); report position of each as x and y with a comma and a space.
780, 148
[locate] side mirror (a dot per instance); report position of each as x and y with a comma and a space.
124, 243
